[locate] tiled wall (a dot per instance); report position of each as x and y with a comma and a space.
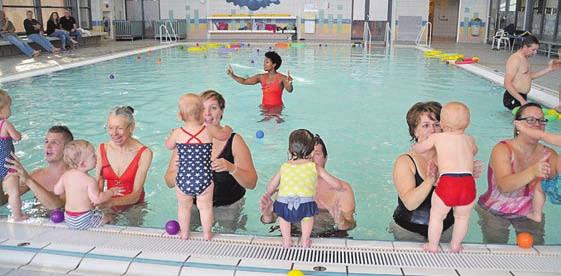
470, 30
333, 17
409, 11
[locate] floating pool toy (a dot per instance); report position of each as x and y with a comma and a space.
297, 45
466, 60
57, 216
196, 49
259, 134
172, 227
181, 47
524, 240
111, 76
514, 110
214, 45
282, 44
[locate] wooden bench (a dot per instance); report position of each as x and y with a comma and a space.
8, 49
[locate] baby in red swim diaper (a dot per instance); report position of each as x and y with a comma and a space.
455, 188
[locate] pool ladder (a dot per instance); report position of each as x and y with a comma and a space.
428, 38
366, 34
165, 35
388, 35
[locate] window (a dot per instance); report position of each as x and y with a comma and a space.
42, 9
85, 13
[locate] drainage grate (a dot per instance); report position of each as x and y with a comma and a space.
247, 247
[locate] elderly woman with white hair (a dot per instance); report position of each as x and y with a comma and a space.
123, 161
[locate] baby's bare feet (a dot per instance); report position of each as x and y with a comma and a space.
21, 217
207, 236
184, 235
287, 243
306, 243
456, 248
430, 247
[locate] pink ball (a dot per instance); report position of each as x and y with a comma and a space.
57, 216
172, 227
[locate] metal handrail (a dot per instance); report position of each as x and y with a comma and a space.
388, 35
428, 40
164, 32
366, 34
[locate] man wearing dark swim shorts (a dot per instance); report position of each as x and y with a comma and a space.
518, 77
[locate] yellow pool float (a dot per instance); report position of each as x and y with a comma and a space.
196, 49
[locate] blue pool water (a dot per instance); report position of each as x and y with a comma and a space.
355, 99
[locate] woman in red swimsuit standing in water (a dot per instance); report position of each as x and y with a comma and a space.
272, 85
123, 162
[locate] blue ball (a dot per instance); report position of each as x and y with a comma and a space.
172, 227
57, 216
259, 134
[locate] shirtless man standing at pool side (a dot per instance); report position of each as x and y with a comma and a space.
518, 78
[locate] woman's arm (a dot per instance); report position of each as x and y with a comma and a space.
171, 172
243, 170
404, 180
247, 81
506, 180
139, 179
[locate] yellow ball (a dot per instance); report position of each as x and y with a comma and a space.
295, 272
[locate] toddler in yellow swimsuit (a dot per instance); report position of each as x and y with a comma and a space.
296, 183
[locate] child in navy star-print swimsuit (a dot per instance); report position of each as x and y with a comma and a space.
8, 134
193, 143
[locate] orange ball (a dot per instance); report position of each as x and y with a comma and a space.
524, 240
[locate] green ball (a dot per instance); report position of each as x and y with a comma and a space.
514, 110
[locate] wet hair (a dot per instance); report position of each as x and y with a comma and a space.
413, 116
529, 40
301, 144
125, 111
66, 133
211, 94
275, 59
191, 106
29, 11
320, 142
5, 99
521, 110
75, 152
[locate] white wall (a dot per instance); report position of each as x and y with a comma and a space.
409, 10
379, 10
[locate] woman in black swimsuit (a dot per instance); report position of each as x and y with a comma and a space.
233, 171
414, 176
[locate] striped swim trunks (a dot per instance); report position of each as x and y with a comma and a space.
83, 220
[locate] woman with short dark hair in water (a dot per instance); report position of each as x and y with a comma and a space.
272, 85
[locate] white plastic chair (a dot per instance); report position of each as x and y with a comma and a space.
499, 37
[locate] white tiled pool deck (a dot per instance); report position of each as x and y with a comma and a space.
39, 246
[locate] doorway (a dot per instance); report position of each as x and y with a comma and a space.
443, 14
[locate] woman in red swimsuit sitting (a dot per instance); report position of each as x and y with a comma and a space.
272, 85
123, 161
